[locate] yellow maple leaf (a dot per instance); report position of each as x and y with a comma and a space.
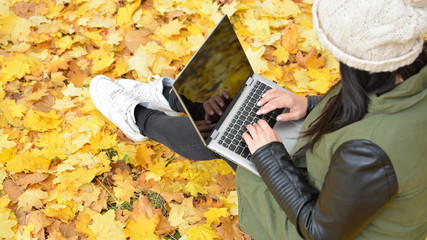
16, 66
101, 60
4, 143
213, 215
53, 139
184, 213
211, 9
204, 232
83, 221
176, 215
311, 41
106, 228
260, 29
7, 154
124, 15
21, 29
194, 189
286, 8
157, 170
177, 47
103, 140
258, 64
229, 9
125, 186
171, 28
142, 228
231, 202
73, 180
65, 212
64, 43
31, 198
121, 67
282, 54
28, 161
161, 64
72, 91
314, 62
6, 226
139, 62
322, 79
331, 61
63, 104
40, 121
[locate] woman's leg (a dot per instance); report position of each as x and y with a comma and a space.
177, 133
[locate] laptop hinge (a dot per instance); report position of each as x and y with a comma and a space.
215, 134
250, 81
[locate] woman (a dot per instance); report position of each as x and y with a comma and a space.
359, 170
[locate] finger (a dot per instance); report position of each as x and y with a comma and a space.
208, 108
247, 137
220, 101
204, 134
215, 106
226, 95
252, 130
263, 125
270, 94
205, 127
288, 116
268, 107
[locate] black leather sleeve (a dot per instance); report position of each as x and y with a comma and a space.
312, 102
359, 182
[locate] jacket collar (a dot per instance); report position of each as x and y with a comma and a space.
403, 96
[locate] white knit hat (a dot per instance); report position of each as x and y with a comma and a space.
372, 35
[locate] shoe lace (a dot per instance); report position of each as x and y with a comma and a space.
156, 78
148, 92
120, 100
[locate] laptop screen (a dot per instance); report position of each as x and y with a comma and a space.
220, 64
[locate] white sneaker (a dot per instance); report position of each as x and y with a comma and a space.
150, 94
116, 104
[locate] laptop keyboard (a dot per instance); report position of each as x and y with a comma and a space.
232, 137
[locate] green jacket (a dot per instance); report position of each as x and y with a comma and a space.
397, 122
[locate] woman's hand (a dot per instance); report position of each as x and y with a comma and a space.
276, 98
259, 135
205, 127
215, 106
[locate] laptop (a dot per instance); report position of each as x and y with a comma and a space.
220, 64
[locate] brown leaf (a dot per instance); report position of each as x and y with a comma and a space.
227, 182
45, 103
143, 205
230, 229
268, 53
164, 227
24, 9
302, 59
68, 230
135, 38
76, 75
23, 180
290, 38
39, 219
12, 190
101, 203
173, 196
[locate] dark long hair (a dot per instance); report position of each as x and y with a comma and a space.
351, 103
